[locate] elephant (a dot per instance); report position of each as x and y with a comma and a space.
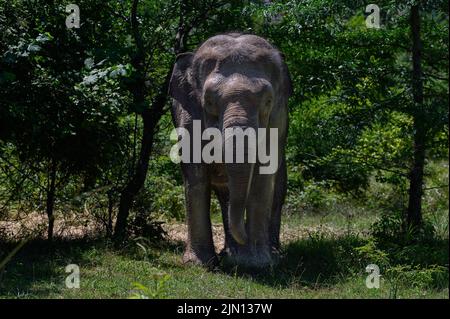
233, 80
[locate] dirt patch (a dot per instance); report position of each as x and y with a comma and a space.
178, 232
35, 225
81, 225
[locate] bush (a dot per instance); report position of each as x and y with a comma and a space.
315, 197
167, 197
433, 277
390, 231
143, 223
401, 267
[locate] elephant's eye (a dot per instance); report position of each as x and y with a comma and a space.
268, 104
209, 106
266, 109
207, 102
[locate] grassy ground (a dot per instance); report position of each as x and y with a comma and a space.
319, 260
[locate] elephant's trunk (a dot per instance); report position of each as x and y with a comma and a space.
239, 172
239, 180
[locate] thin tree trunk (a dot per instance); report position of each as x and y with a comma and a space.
51, 190
150, 117
109, 226
138, 91
138, 178
414, 216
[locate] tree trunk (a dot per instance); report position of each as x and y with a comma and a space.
138, 178
109, 226
51, 190
150, 119
414, 216
150, 116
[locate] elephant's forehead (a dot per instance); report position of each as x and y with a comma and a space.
229, 40
227, 54
237, 53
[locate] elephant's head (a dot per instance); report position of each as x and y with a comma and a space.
233, 81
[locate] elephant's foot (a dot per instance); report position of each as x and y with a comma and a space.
251, 257
203, 257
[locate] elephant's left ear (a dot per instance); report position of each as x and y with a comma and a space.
180, 86
287, 76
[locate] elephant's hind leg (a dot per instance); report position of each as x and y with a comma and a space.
278, 201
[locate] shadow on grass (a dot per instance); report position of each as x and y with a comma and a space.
141, 249
38, 269
325, 261
310, 262
42, 262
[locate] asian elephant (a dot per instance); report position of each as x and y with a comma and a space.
233, 80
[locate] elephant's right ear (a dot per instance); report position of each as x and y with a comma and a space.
180, 87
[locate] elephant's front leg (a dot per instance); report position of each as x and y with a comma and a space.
200, 247
259, 210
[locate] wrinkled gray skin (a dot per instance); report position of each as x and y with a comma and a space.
233, 80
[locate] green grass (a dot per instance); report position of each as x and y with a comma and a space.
320, 264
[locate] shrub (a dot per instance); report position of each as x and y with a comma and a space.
433, 276
390, 231
143, 223
158, 289
315, 198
